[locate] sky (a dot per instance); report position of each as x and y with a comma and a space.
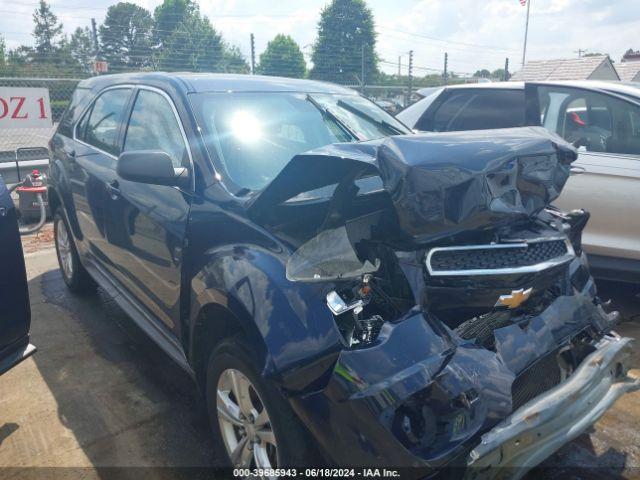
476, 34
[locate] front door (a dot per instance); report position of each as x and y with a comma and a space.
605, 128
146, 224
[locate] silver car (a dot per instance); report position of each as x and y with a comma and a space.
602, 119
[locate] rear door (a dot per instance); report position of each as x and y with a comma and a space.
15, 318
146, 224
91, 167
605, 128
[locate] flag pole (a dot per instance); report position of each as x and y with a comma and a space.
526, 31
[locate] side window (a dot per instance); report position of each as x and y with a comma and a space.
105, 118
625, 137
154, 126
65, 127
81, 127
491, 109
593, 122
446, 112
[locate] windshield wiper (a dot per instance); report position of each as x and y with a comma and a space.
381, 123
326, 112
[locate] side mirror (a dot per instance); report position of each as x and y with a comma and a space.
150, 166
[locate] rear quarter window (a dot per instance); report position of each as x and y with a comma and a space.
479, 110
78, 100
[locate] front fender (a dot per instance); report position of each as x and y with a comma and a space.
288, 322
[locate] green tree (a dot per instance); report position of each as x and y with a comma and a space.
346, 40
3, 53
46, 32
498, 73
484, 73
233, 60
169, 15
126, 37
63, 61
81, 47
195, 46
282, 57
21, 56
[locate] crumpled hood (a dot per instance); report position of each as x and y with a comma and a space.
439, 182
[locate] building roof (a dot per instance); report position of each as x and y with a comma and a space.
628, 71
560, 69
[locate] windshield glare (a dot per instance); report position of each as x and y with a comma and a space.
254, 135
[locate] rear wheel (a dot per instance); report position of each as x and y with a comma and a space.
73, 273
254, 425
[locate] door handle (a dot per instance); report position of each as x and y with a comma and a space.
576, 170
71, 156
113, 190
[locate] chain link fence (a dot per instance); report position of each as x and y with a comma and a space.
25, 149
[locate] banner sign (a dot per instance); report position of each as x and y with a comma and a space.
24, 108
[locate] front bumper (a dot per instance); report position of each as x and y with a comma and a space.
543, 425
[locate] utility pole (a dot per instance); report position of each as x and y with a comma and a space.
526, 32
253, 55
505, 76
410, 78
580, 52
446, 64
399, 66
99, 66
94, 30
362, 69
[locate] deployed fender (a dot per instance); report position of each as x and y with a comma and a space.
438, 183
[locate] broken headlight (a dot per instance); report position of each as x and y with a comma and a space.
348, 307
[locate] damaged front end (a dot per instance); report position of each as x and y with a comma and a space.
463, 298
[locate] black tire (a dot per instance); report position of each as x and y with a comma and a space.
78, 281
295, 447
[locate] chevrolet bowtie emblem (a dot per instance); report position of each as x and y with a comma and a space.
514, 299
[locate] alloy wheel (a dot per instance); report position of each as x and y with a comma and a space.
63, 242
244, 422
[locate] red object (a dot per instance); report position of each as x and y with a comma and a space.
523, 2
32, 189
576, 119
100, 66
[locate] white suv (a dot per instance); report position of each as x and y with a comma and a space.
602, 119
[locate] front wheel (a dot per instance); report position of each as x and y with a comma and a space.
73, 273
255, 425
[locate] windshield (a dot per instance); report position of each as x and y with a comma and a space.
254, 135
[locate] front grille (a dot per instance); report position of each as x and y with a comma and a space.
535, 380
481, 328
496, 257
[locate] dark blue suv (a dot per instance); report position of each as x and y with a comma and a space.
342, 290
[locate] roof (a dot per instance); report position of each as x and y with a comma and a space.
560, 69
628, 71
219, 82
485, 85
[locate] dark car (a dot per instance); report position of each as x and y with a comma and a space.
15, 318
343, 291
602, 119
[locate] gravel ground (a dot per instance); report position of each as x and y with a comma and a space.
98, 393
